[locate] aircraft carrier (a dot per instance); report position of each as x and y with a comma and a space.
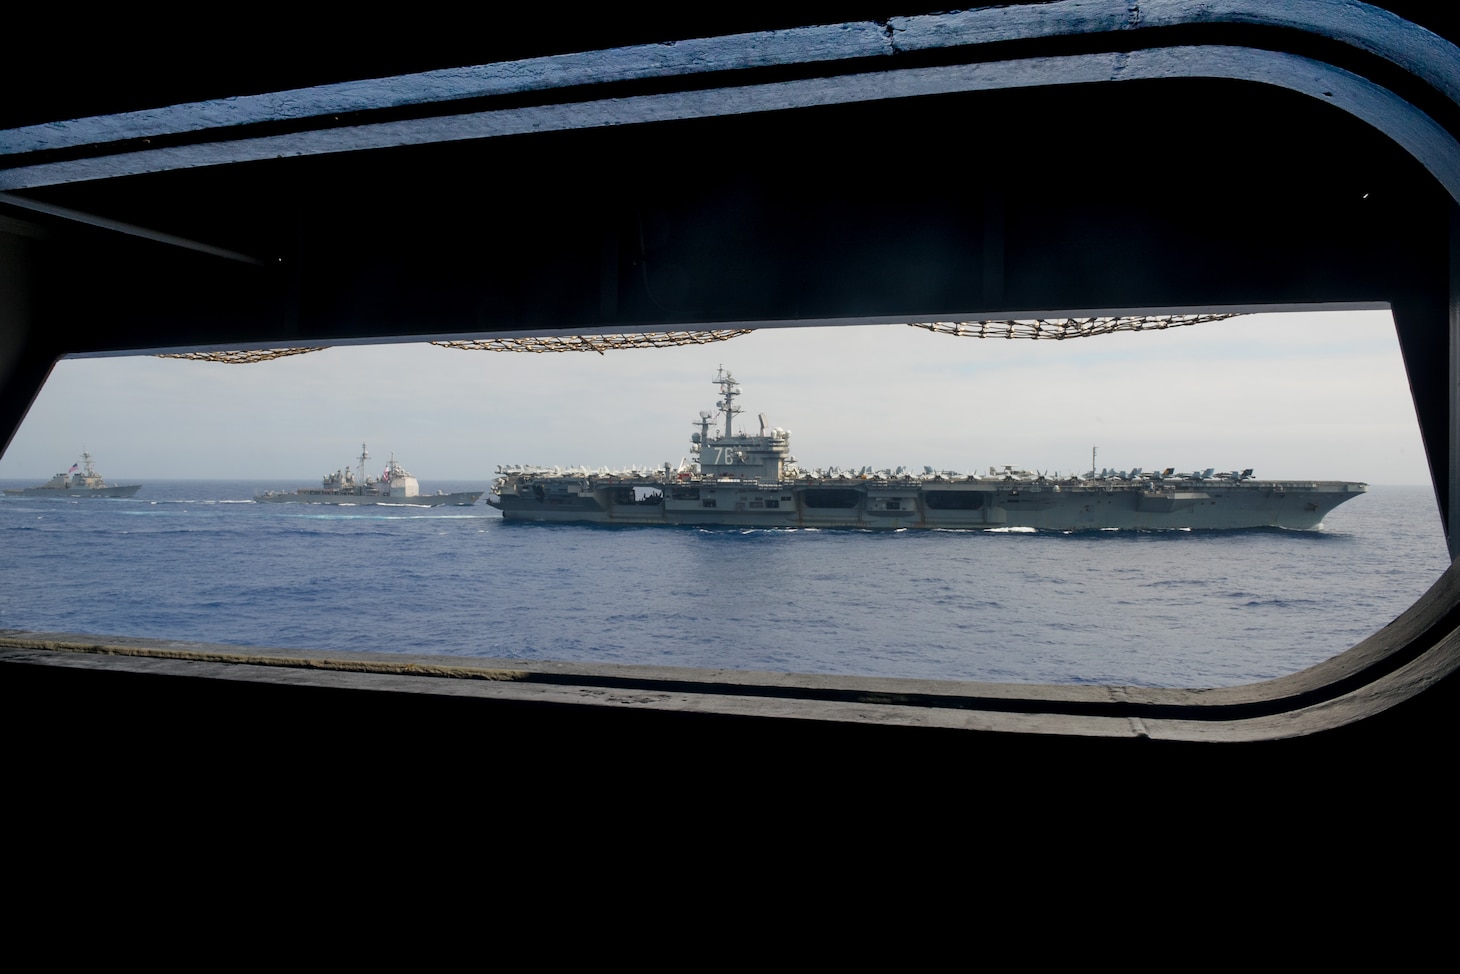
751, 480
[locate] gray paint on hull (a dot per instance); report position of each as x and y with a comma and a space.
126, 491
1226, 506
463, 499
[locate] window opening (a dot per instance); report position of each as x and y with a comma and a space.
194, 555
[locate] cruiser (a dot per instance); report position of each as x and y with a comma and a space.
751, 480
394, 486
81, 480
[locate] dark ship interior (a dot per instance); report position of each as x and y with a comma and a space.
835, 168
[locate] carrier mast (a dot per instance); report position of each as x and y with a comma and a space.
729, 389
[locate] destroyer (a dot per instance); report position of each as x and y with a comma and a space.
751, 480
81, 480
394, 486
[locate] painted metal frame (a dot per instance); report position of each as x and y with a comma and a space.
854, 62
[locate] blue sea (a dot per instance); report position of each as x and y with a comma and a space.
199, 561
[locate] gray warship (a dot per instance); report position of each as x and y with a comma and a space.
81, 480
394, 486
751, 480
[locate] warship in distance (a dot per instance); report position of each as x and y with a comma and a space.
751, 480
81, 480
394, 486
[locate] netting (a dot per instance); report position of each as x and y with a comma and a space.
1046, 328
1062, 328
596, 343
242, 357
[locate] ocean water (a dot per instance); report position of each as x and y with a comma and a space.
198, 560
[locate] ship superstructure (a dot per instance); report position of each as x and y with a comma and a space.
751, 480
344, 486
81, 480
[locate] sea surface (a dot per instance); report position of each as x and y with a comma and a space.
198, 560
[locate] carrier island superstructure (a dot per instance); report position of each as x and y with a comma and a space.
751, 480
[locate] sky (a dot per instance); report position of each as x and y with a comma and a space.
1317, 395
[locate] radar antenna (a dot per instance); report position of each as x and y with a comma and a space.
703, 436
729, 389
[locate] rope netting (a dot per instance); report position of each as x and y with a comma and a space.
1057, 329
596, 343
247, 357
1062, 328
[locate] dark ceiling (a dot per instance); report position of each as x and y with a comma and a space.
1146, 194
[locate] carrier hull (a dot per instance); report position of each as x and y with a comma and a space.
889, 505
751, 480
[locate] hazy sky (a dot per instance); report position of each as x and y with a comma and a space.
1319, 395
